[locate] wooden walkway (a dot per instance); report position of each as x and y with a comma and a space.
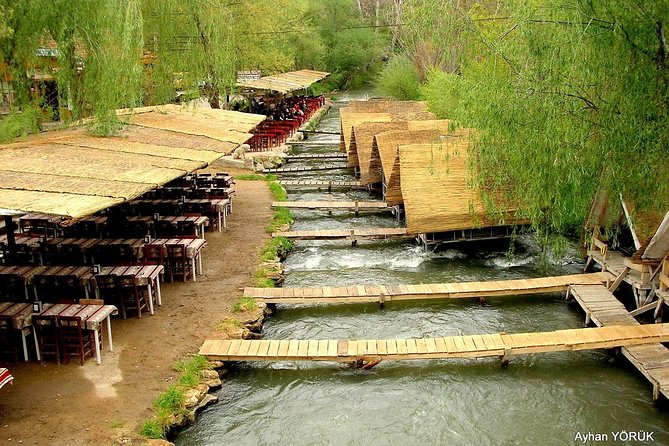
305, 168
312, 144
315, 156
345, 234
387, 293
476, 346
354, 206
604, 309
320, 184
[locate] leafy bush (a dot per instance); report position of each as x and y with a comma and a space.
399, 80
19, 124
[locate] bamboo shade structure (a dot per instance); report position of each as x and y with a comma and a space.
285, 82
72, 174
349, 119
436, 187
388, 106
385, 153
362, 137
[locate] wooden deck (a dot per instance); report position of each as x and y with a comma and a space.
604, 309
345, 234
315, 156
353, 206
320, 184
305, 168
387, 293
476, 346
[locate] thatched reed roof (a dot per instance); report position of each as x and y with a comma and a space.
221, 125
349, 119
362, 137
385, 158
437, 190
72, 174
285, 82
388, 106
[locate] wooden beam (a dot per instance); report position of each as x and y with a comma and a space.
616, 283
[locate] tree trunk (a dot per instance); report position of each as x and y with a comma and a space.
212, 90
376, 12
396, 29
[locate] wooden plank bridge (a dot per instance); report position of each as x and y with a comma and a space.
305, 168
353, 206
388, 293
315, 156
313, 144
475, 346
604, 309
320, 184
345, 234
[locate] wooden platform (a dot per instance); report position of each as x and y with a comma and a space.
320, 184
305, 168
315, 156
476, 346
387, 293
354, 206
604, 309
312, 144
345, 234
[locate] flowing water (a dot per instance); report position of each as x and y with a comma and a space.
540, 399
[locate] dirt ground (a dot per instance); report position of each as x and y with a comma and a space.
99, 404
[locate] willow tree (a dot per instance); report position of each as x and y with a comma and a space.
98, 48
567, 96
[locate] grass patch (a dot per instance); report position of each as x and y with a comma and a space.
191, 370
261, 278
152, 429
282, 217
251, 177
277, 247
172, 400
230, 325
116, 424
244, 304
277, 190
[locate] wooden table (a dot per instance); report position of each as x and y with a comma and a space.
49, 222
21, 320
200, 222
145, 275
91, 315
221, 206
193, 250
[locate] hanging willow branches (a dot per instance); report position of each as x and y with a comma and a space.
567, 96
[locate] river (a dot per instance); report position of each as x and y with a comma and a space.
539, 399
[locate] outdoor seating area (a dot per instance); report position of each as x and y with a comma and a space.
92, 226
284, 119
59, 282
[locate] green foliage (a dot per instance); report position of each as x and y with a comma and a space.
276, 247
566, 96
19, 124
261, 279
152, 429
191, 370
277, 190
168, 403
251, 177
244, 304
399, 80
282, 217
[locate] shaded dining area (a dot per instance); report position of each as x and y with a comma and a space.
91, 235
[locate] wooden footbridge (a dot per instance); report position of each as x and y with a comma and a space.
315, 156
603, 309
305, 168
353, 206
320, 184
388, 293
346, 234
372, 352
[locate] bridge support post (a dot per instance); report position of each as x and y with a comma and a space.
382, 301
505, 358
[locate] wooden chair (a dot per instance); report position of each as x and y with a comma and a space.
178, 263
11, 289
50, 254
72, 254
45, 287
165, 229
91, 302
108, 292
69, 288
74, 338
8, 342
154, 254
47, 337
130, 295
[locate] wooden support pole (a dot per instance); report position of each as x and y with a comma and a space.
588, 316
644, 309
616, 283
657, 315
505, 358
588, 263
357, 211
382, 301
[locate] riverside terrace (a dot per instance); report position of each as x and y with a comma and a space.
92, 225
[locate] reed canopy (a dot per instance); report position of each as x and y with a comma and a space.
73, 174
437, 189
285, 82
